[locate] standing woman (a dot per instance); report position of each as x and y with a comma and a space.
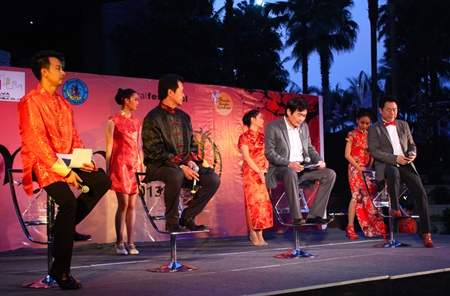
258, 207
123, 158
357, 154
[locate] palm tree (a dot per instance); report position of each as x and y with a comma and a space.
332, 30
295, 16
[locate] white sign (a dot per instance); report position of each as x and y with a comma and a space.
12, 86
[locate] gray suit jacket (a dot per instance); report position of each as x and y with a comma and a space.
277, 148
380, 146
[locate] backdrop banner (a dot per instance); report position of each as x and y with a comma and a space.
216, 113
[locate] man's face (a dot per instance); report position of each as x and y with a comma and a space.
295, 119
175, 99
389, 112
55, 73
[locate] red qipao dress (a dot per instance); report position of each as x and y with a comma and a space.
368, 217
257, 201
124, 161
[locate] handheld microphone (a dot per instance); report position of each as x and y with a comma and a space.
306, 160
84, 188
195, 169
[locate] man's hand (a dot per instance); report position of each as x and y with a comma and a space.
296, 166
189, 173
72, 179
321, 164
403, 160
87, 167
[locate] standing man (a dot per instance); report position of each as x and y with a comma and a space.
47, 127
288, 148
170, 155
393, 149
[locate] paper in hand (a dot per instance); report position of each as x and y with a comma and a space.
78, 157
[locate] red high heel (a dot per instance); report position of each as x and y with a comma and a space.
351, 234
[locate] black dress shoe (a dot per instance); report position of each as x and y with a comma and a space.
79, 237
190, 224
174, 228
65, 280
297, 222
317, 220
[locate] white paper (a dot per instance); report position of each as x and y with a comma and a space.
311, 166
78, 157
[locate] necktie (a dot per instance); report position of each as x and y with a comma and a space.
389, 123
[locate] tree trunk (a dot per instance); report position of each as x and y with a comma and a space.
393, 48
305, 55
373, 17
230, 46
325, 73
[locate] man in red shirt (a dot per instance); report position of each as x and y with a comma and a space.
47, 127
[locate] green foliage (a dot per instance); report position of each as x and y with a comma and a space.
441, 195
188, 38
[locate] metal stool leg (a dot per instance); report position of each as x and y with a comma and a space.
391, 243
47, 281
296, 253
173, 265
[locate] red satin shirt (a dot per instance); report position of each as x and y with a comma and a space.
46, 127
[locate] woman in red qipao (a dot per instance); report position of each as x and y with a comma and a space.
258, 207
357, 154
123, 158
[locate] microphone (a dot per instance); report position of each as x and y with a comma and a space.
84, 188
195, 169
306, 160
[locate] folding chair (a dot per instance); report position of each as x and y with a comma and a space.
153, 215
28, 219
280, 207
381, 199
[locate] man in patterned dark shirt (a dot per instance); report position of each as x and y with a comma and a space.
170, 155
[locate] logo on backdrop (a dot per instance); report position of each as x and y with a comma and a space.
75, 91
12, 86
223, 103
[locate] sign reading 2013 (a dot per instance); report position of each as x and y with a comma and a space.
75, 91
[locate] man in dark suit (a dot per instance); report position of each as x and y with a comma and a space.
393, 149
288, 147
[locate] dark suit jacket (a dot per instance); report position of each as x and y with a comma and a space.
277, 148
380, 146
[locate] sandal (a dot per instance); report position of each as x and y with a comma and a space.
121, 250
132, 249
351, 234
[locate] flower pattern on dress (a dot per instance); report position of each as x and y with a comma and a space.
368, 216
257, 201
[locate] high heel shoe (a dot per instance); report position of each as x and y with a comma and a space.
132, 249
121, 250
258, 244
264, 243
351, 234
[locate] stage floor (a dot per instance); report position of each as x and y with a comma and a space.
231, 266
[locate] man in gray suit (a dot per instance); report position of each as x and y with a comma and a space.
393, 149
288, 148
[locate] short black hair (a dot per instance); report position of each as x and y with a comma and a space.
123, 94
166, 82
387, 98
295, 104
40, 60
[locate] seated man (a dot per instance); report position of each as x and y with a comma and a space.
393, 149
47, 128
288, 148
170, 155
